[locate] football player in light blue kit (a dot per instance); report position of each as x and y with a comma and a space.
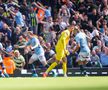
38, 54
3, 72
84, 54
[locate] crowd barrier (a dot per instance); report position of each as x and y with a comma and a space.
72, 72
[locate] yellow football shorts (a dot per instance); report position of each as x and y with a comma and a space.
60, 54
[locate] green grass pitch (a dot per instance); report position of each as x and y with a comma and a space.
59, 83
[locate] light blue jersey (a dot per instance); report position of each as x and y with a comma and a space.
81, 39
19, 19
34, 41
47, 13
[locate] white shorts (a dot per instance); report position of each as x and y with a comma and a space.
1, 59
83, 56
40, 57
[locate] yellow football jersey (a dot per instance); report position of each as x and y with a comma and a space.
63, 40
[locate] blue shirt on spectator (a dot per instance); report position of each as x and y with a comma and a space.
47, 13
1, 24
104, 59
19, 19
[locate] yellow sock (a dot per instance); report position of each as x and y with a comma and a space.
51, 67
64, 66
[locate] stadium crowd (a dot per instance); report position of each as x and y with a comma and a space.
47, 19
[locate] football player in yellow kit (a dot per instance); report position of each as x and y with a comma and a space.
61, 51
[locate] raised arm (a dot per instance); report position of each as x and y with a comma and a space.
12, 12
39, 6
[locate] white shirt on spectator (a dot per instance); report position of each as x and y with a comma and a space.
63, 25
95, 33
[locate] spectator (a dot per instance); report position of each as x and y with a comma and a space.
95, 60
99, 45
8, 46
33, 21
9, 64
6, 31
46, 9
102, 25
95, 32
65, 14
76, 17
19, 60
18, 17
46, 29
15, 35
104, 57
90, 26
49, 53
94, 16
105, 37
21, 41
3, 72
62, 24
